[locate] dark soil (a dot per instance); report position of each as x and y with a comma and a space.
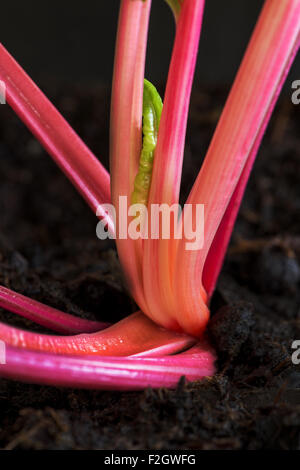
49, 251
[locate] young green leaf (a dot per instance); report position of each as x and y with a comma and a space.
152, 108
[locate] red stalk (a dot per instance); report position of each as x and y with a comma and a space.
170, 288
136, 334
267, 59
217, 251
132, 335
65, 147
126, 127
46, 316
114, 373
166, 177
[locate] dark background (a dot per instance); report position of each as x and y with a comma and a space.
73, 40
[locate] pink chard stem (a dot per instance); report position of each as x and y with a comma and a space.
65, 147
46, 316
166, 176
171, 284
136, 352
248, 108
113, 373
126, 127
134, 334
217, 251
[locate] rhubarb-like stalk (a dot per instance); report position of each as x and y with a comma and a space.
126, 129
166, 279
69, 152
266, 61
158, 255
113, 373
132, 335
176, 6
46, 316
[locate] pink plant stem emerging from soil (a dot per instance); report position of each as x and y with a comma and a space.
257, 85
158, 254
132, 335
51, 359
69, 152
171, 285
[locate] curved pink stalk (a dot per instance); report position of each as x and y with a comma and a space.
132, 335
171, 284
158, 254
111, 373
217, 251
126, 128
248, 107
69, 152
46, 316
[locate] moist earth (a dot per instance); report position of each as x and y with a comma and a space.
49, 251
